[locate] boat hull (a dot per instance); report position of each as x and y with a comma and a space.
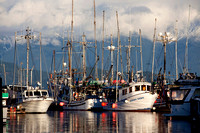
138, 102
39, 105
5, 111
88, 104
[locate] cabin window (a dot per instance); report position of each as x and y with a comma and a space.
130, 89
137, 88
196, 93
44, 93
143, 87
124, 92
36, 93
148, 88
29, 93
179, 94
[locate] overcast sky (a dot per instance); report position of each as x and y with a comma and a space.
50, 16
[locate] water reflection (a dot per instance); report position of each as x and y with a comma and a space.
86, 121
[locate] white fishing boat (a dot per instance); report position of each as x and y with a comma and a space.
32, 99
38, 101
134, 96
137, 96
84, 104
82, 98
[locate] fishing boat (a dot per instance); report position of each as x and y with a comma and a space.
136, 96
84, 94
88, 97
34, 99
185, 97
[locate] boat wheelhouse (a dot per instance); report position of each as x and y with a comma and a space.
185, 101
33, 100
137, 96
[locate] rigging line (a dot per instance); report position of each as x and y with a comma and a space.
171, 64
180, 65
59, 64
156, 61
87, 54
186, 45
75, 58
106, 64
91, 51
33, 62
51, 64
14, 59
45, 62
16, 62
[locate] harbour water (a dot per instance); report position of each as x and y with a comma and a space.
106, 122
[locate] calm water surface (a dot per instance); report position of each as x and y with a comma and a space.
87, 121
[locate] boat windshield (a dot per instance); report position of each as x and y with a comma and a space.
177, 95
36, 93
44, 93
196, 93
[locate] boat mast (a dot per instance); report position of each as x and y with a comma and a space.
102, 48
117, 58
54, 71
31, 76
118, 33
112, 48
27, 37
96, 71
15, 58
21, 73
63, 49
176, 32
84, 60
129, 53
165, 50
40, 61
4, 69
127, 64
141, 54
154, 41
186, 45
70, 49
